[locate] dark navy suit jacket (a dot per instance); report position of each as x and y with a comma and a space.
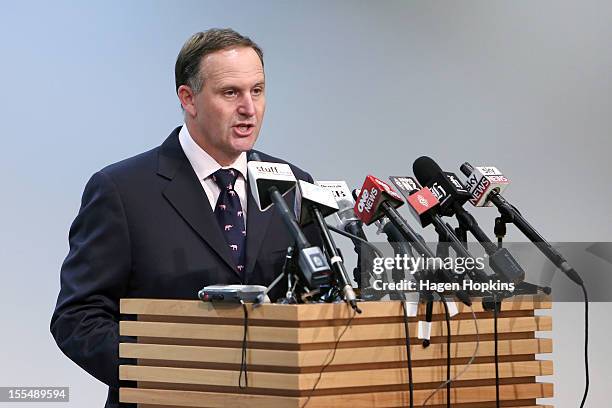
145, 229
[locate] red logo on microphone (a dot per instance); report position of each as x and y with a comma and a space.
422, 200
373, 193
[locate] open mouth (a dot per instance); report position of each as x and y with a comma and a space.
245, 127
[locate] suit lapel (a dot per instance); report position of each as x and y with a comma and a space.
185, 193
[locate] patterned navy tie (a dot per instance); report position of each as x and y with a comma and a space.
230, 216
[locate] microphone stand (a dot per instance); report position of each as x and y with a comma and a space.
493, 302
523, 288
335, 259
290, 260
443, 252
461, 231
288, 270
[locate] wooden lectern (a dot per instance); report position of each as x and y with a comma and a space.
188, 354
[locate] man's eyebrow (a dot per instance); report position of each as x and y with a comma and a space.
228, 86
231, 84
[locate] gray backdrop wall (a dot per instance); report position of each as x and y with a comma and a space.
372, 85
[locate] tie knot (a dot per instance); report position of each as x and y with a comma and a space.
225, 178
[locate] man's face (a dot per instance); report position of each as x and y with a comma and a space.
225, 117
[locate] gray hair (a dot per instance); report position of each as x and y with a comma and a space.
187, 67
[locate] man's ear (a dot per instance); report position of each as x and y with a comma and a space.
187, 99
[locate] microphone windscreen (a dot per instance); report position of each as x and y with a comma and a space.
346, 212
254, 155
467, 169
424, 169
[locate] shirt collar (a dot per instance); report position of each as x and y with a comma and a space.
203, 164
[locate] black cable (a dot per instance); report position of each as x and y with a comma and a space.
448, 352
243, 362
408, 355
466, 367
363, 241
586, 345
495, 339
314, 387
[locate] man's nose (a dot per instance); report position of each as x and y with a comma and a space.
246, 106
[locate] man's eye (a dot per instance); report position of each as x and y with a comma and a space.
229, 93
257, 91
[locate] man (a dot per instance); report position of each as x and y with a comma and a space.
169, 221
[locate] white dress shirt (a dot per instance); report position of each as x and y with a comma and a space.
204, 166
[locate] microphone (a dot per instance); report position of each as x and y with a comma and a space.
424, 206
511, 214
421, 201
377, 199
452, 194
445, 186
310, 197
400, 246
486, 185
482, 181
393, 234
347, 221
316, 203
268, 183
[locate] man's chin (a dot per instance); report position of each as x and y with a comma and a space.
243, 145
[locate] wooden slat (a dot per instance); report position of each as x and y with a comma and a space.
394, 308
472, 405
368, 400
321, 323
338, 379
311, 358
306, 312
459, 396
172, 398
325, 334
